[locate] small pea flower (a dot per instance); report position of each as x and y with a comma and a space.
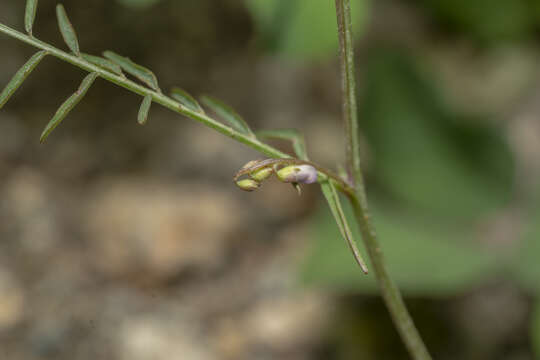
302, 174
248, 184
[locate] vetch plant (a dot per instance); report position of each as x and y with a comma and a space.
297, 171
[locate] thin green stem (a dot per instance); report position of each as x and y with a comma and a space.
348, 87
165, 101
390, 292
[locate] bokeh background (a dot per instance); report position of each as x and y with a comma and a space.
120, 241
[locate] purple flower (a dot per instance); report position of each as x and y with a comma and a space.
302, 174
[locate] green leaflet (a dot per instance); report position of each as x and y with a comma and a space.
30, 15
103, 63
69, 104
334, 203
20, 76
140, 72
186, 99
228, 114
67, 30
293, 135
144, 109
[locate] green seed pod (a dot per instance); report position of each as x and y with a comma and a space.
247, 184
261, 174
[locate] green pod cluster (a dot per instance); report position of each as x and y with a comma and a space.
256, 177
261, 174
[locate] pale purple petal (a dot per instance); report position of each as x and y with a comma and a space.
306, 175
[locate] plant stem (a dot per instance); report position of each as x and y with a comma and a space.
390, 292
348, 87
167, 102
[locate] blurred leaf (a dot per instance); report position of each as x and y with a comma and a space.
30, 15
526, 265
103, 63
228, 114
303, 28
68, 105
484, 19
437, 171
186, 99
535, 329
138, 4
144, 109
20, 76
425, 155
140, 72
332, 198
293, 135
425, 257
67, 30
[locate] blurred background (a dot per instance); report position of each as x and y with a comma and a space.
120, 241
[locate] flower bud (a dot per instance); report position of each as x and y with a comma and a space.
303, 174
248, 184
261, 174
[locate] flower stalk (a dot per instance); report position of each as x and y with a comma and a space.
390, 292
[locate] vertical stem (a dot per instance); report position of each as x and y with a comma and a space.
348, 87
390, 292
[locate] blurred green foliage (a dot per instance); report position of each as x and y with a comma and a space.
424, 256
138, 4
526, 266
302, 29
426, 155
434, 173
486, 20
